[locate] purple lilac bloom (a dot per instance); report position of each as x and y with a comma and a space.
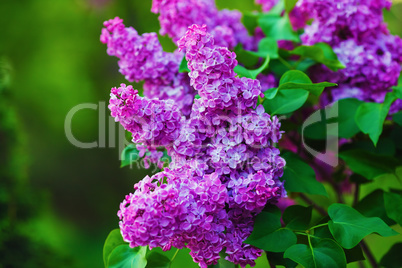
177, 208
336, 21
153, 123
175, 16
141, 57
224, 168
266, 5
362, 42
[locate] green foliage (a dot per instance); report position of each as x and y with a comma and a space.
267, 47
277, 27
157, 260
125, 257
183, 68
297, 217
250, 21
321, 253
321, 53
277, 258
129, 155
370, 116
368, 164
113, 240
292, 92
118, 254
241, 71
349, 227
289, 5
345, 110
393, 257
397, 118
268, 233
300, 177
393, 206
285, 101
373, 205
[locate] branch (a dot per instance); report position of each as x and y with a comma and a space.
368, 254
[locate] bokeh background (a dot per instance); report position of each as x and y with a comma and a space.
58, 202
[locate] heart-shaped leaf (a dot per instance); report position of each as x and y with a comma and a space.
269, 235
129, 155
321, 53
349, 227
324, 253
370, 116
113, 240
369, 165
286, 101
372, 205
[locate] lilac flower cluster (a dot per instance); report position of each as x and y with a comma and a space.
142, 58
177, 208
224, 168
175, 16
359, 36
266, 5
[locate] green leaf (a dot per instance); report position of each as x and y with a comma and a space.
295, 79
385, 146
352, 255
289, 5
247, 58
157, 260
300, 177
250, 21
123, 256
392, 259
397, 117
370, 116
277, 27
297, 217
321, 53
113, 240
286, 101
369, 165
393, 206
344, 110
276, 258
349, 227
372, 205
271, 93
269, 235
397, 91
315, 89
325, 253
183, 68
347, 125
240, 70
129, 155
267, 46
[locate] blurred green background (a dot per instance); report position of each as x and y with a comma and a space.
58, 202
